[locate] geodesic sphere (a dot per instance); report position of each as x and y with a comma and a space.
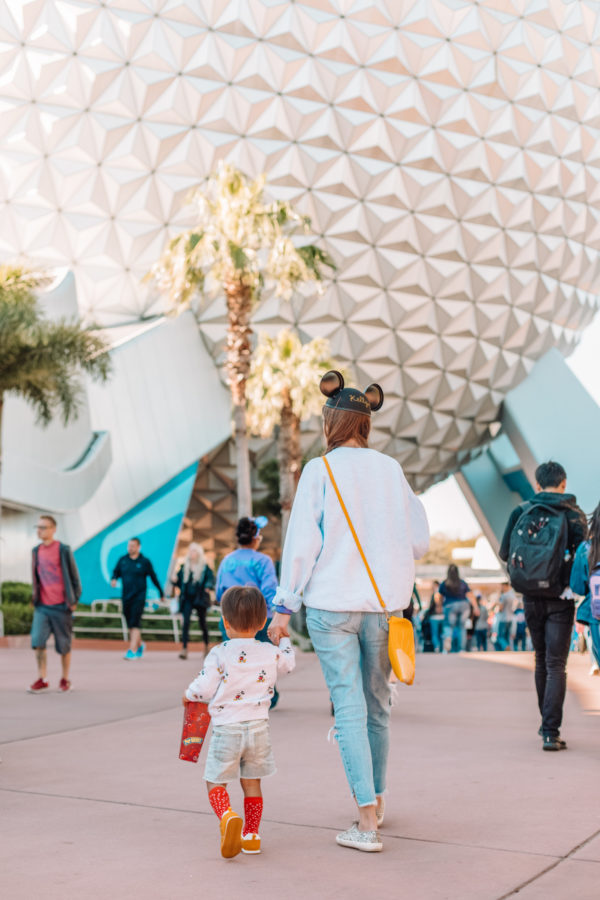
448, 153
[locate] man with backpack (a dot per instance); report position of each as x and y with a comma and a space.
538, 546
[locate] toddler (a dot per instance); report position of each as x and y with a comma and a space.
237, 682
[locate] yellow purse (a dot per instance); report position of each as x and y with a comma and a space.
401, 637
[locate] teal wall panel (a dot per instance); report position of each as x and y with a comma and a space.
156, 521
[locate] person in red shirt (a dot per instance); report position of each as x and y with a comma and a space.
56, 591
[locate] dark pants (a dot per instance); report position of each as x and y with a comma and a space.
520, 639
186, 611
480, 638
550, 624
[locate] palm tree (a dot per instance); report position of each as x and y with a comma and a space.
42, 360
283, 390
238, 242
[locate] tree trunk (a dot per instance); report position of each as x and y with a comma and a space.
239, 352
289, 457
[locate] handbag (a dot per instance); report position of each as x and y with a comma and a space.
401, 637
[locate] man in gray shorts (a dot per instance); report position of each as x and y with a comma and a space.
56, 591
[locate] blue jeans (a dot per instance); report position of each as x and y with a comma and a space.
503, 637
481, 637
455, 620
436, 633
594, 626
353, 651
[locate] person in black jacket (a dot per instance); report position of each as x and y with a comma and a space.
550, 619
193, 581
134, 569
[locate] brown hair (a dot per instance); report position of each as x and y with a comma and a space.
48, 518
341, 426
594, 538
244, 607
453, 578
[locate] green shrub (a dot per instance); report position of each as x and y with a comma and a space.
16, 592
17, 618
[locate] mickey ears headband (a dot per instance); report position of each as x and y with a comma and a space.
339, 397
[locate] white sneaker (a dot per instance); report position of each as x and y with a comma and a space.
367, 841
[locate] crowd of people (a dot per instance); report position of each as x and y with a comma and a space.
458, 618
355, 531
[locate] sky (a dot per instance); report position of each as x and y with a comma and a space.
447, 509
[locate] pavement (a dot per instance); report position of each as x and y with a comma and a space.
95, 802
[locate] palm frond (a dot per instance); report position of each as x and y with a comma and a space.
42, 360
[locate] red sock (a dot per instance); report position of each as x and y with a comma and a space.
219, 800
253, 807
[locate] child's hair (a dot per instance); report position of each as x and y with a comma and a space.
244, 608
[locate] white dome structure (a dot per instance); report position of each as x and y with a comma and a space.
447, 151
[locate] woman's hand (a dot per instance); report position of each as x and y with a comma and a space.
278, 627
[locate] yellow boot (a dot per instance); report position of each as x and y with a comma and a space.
231, 834
250, 843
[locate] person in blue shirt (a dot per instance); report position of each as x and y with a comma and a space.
587, 556
245, 566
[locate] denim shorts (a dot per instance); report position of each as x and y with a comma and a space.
239, 750
56, 620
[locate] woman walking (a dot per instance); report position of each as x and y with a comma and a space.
322, 568
458, 601
587, 557
193, 581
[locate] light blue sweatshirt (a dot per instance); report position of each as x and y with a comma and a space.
321, 566
246, 566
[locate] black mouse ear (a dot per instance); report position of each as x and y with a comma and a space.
374, 395
331, 383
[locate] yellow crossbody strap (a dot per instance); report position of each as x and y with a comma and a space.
354, 534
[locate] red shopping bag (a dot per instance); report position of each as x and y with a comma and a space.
196, 720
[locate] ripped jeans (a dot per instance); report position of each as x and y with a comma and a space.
353, 651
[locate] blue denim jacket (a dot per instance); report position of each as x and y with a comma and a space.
580, 582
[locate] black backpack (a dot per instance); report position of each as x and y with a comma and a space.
536, 556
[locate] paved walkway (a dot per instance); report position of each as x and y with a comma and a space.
96, 804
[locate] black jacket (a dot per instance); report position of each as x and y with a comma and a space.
195, 592
576, 523
133, 574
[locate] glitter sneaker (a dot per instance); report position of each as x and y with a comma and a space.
367, 841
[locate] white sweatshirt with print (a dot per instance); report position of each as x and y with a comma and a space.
238, 679
321, 566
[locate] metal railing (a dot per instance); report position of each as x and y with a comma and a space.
100, 610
